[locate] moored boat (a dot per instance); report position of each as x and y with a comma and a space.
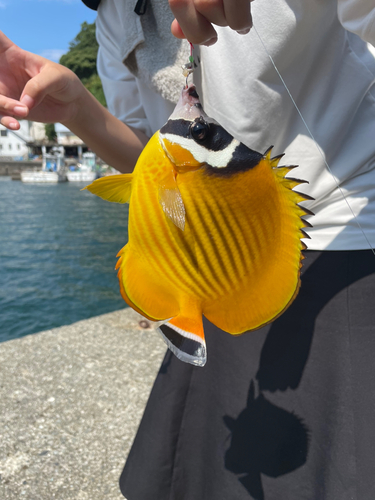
85, 171
53, 170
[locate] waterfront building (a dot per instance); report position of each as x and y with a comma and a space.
31, 142
73, 145
13, 143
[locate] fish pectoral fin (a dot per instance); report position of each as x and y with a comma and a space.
115, 188
173, 206
171, 201
185, 338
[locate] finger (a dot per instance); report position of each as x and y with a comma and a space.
191, 23
48, 81
212, 10
176, 30
238, 15
9, 122
10, 106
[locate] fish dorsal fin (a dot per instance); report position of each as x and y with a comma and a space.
171, 200
115, 188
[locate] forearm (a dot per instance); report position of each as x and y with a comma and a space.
116, 143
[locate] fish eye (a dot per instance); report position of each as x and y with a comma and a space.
199, 130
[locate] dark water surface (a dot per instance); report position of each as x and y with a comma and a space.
58, 249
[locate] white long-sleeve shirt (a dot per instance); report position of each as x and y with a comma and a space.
330, 73
358, 17
129, 99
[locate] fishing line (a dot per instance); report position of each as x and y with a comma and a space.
315, 142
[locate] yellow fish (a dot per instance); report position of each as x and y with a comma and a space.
214, 229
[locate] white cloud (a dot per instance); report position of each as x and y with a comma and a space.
52, 54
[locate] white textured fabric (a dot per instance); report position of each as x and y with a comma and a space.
330, 73
358, 16
145, 44
128, 98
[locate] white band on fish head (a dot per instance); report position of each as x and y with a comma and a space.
207, 142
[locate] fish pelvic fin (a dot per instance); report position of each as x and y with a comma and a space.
185, 338
114, 188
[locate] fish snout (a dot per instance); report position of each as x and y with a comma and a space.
190, 95
189, 106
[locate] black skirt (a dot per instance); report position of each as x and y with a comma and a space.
283, 413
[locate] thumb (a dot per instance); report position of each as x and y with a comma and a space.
46, 82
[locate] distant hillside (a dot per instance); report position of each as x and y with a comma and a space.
81, 58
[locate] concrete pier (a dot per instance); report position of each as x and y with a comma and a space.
70, 403
14, 168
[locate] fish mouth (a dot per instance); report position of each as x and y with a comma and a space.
190, 95
189, 106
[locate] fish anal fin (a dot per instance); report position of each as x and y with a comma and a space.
126, 297
171, 200
131, 304
185, 338
142, 289
114, 188
121, 252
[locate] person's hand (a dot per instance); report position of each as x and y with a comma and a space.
34, 87
194, 18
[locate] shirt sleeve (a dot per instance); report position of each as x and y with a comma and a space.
119, 85
358, 16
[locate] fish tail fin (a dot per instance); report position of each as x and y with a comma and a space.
115, 188
185, 338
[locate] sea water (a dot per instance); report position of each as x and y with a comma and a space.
58, 249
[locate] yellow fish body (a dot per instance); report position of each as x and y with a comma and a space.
214, 229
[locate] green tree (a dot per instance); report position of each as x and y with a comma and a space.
50, 132
81, 58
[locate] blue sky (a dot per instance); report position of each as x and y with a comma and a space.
44, 27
